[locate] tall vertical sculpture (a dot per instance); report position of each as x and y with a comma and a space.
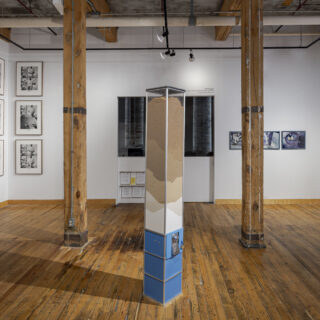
164, 203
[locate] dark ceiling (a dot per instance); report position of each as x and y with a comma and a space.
132, 7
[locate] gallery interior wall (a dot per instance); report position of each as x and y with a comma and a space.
4, 49
292, 102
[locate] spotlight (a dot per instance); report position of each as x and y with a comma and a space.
172, 53
191, 56
162, 37
162, 55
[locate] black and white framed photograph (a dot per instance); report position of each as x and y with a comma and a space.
28, 156
1, 117
235, 140
2, 79
28, 117
1, 157
29, 79
271, 140
293, 140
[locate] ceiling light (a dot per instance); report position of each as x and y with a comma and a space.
163, 55
191, 56
161, 37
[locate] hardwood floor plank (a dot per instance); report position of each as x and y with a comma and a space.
40, 279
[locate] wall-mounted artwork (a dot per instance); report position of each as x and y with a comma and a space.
235, 140
1, 117
1, 157
28, 117
293, 140
271, 140
29, 79
28, 156
1, 77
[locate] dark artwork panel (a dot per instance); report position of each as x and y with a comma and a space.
235, 140
199, 126
131, 126
29, 78
293, 140
271, 140
28, 117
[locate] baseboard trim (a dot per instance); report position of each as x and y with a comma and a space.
3, 204
92, 203
271, 201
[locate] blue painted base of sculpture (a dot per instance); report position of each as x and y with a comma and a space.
163, 265
162, 292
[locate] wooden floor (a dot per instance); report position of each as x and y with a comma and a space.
40, 279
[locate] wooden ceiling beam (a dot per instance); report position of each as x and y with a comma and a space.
109, 34
6, 32
286, 3
222, 32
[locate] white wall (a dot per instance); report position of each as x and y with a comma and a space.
4, 49
292, 102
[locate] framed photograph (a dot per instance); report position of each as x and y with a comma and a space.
28, 156
235, 140
293, 140
28, 117
1, 77
29, 79
1, 157
1, 117
271, 140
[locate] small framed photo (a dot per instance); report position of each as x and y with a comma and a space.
28, 156
2, 77
29, 79
293, 140
235, 140
271, 140
1, 157
1, 117
28, 117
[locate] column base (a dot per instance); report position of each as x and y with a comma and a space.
75, 239
254, 240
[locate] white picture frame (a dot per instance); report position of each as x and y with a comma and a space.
1, 117
28, 117
29, 79
28, 157
2, 76
1, 158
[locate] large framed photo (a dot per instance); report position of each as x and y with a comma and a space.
1, 117
28, 156
29, 79
235, 140
2, 77
271, 140
1, 157
28, 117
293, 140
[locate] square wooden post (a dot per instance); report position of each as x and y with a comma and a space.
252, 123
75, 149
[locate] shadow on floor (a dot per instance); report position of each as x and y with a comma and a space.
31, 271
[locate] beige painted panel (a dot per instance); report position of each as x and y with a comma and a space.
175, 164
155, 166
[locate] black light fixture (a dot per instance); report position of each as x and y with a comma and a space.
165, 35
191, 56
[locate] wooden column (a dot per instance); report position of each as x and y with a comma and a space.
252, 123
75, 153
